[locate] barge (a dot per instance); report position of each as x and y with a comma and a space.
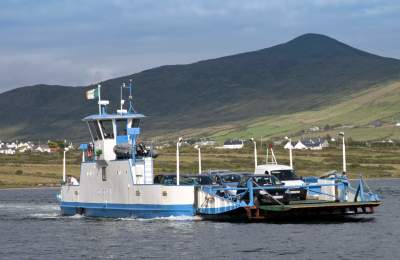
117, 180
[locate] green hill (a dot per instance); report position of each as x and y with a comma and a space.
355, 115
305, 74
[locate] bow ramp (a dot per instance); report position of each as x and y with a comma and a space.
210, 203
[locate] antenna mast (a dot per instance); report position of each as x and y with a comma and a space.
130, 110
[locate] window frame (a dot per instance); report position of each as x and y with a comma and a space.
105, 129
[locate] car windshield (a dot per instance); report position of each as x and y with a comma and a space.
285, 175
266, 180
260, 180
263, 180
230, 178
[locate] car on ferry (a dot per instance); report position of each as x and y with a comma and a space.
275, 189
284, 173
170, 179
226, 179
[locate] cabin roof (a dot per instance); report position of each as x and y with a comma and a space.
112, 116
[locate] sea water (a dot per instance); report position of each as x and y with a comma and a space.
31, 228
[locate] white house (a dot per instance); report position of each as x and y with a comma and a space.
43, 149
205, 143
325, 144
233, 144
289, 145
11, 145
23, 149
7, 151
316, 147
300, 146
314, 129
388, 141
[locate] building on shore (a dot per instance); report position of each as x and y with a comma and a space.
233, 144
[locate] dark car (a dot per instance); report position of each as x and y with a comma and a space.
205, 179
226, 179
275, 191
170, 179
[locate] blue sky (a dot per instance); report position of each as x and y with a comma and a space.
73, 42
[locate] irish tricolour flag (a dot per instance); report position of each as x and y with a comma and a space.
92, 94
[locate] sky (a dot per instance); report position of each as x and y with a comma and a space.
76, 43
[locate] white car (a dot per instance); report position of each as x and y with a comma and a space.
283, 172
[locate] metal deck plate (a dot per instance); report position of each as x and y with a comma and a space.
315, 204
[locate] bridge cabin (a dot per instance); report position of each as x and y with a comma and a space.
107, 131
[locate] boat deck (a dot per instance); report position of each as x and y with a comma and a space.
310, 208
317, 207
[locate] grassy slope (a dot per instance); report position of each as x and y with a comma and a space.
380, 102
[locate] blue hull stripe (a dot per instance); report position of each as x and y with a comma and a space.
220, 210
126, 210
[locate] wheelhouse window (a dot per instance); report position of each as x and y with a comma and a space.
121, 126
135, 123
94, 129
107, 128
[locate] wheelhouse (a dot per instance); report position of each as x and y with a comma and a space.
108, 131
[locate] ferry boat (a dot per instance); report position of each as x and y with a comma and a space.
117, 180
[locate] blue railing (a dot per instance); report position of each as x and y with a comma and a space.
341, 194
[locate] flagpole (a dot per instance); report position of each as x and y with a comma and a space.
99, 88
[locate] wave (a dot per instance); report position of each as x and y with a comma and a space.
45, 215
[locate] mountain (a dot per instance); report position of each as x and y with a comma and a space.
306, 73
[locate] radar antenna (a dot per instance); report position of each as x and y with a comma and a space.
130, 109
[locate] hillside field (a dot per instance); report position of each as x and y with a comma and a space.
357, 110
